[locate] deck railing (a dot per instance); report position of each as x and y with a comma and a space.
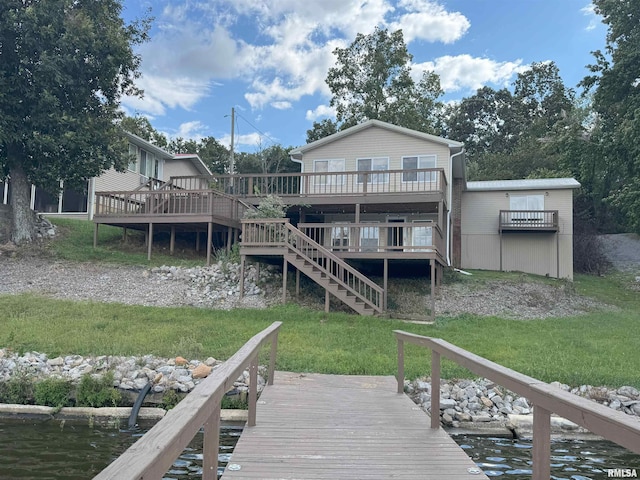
169, 202
152, 455
372, 237
615, 426
528, 220
419, 181
278, 232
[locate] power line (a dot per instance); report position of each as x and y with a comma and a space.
257, 129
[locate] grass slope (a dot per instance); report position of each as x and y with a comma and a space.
597, 349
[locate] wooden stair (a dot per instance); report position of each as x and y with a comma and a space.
318, 263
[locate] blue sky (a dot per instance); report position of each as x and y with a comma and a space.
269, 58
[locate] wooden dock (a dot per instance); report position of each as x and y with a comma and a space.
313, 426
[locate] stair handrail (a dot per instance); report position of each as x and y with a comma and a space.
376, 302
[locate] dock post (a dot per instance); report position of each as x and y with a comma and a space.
211, 445
541, 443
435, 389
253, 391
401, 366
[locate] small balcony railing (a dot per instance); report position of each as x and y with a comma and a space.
418, 181
528, 220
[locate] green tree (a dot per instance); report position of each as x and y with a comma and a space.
141, 126
372, 81
321, 129
65, 65
615, 85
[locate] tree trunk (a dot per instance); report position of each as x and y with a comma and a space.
24, 221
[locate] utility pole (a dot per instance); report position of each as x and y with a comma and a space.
233, 122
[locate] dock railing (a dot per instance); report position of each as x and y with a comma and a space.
610, 424
152, 456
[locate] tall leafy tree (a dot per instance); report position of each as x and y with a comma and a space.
141, 126
321, 129
372, 80
615, 86
64, 66
215, 155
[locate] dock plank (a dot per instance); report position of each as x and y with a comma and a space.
314, 426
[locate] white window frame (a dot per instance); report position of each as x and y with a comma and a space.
366, 233
532, 202
132, 166
422, 161
374, 178
148, 161
415, 229
340, 237
332, 165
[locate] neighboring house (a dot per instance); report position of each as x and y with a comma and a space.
152, 167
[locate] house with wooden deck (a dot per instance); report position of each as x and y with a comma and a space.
374, 197
150, 166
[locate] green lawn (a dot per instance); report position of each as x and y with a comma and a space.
597, 348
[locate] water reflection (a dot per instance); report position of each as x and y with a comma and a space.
570, 459
54, 451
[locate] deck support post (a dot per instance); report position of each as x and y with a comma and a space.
500, 250
197, 241
435, 389
433, 289
211, 445
541, 443
150, 241
400, 377
242, 262
95, 235
558, 255
326, 301
172, 240
285, 266
229, 238
297, 282
385, 282
209, 235
253, 391
124, 235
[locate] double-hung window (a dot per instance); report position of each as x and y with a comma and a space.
416, 162
374, 164
329, 166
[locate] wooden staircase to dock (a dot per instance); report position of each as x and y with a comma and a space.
337, 277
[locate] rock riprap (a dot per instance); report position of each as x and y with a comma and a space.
130, 373
484, 401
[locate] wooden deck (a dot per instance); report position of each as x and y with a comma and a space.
313, 426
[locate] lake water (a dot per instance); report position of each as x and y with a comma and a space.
49, 451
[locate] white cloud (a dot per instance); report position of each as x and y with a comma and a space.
320, 111
251, 139
191, 130
161, 92
464, 72
281, 105
428, 20
590, 12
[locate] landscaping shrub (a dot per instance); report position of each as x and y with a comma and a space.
17, 389
53, 392
97, 392
588, 252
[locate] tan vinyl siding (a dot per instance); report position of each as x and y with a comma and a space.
112, 181
178, 168
377, 142
527, 252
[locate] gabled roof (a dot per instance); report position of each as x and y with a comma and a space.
526, 184
159, 152
298, 152
196, 160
